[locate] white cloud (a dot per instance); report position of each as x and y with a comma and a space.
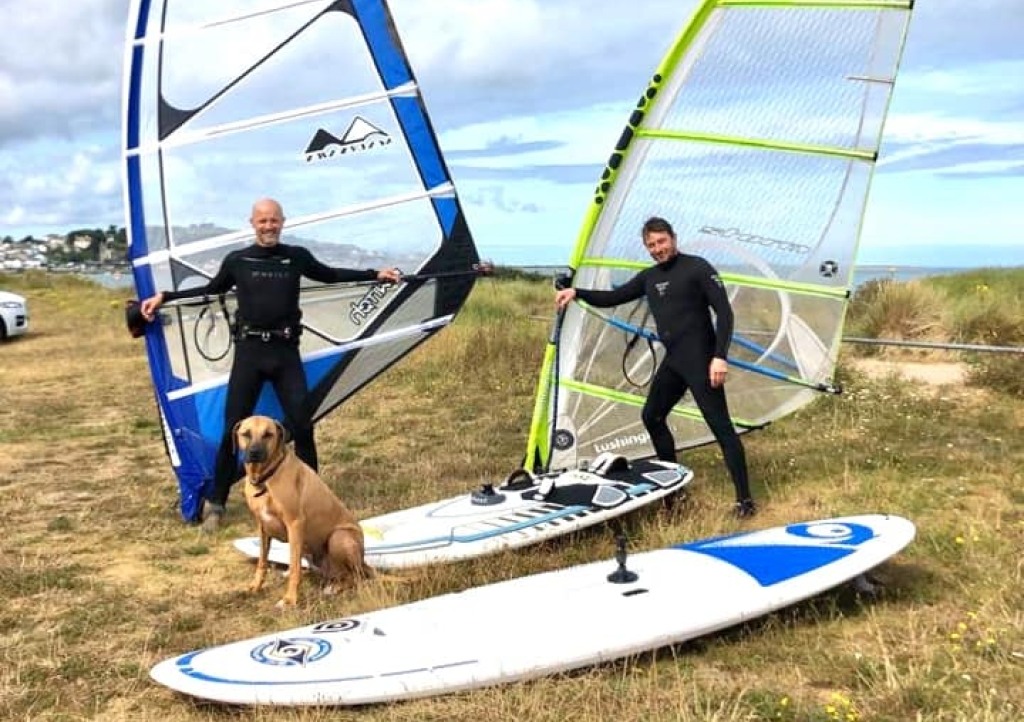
561, 76
59, 68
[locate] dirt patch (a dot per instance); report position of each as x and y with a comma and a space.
931, 373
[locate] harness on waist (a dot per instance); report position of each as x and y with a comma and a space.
285, 333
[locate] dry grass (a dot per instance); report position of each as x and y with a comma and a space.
100, 578
984, 306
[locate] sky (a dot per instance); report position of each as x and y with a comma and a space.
528, 97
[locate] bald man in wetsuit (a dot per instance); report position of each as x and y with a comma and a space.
266, 278
680, 289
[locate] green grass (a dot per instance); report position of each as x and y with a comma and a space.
983, 306
100, 579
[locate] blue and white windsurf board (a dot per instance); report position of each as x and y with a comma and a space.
449, 643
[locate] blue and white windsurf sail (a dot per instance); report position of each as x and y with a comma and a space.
757, 138
311, 102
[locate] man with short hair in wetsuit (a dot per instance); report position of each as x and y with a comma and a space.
266, 278
680, 289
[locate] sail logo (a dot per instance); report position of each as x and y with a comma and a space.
366, 306
621, 442
361, 135
753, 239
291, 652
336, 625
828, 269
564, 439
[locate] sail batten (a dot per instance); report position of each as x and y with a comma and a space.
257, 122
636, 400
762, 143
822, 4
757, 138
236, 239
776, 284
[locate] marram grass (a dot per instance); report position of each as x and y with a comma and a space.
100, 579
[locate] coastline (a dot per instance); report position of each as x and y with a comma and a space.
120, 275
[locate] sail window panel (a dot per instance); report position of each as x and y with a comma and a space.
603, 355
211, 185
810, 76
404, 327
413, 237
598, 425
205, 349
759, 400
748, 211
784, 332
147, 196
812, 329
178, 326
364, 368
262, 64
198, 338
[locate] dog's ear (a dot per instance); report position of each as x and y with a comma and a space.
283, 433
234, 435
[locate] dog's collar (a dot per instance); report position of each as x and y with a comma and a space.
261, 482
262, 486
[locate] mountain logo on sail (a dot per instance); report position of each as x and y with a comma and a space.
361, 135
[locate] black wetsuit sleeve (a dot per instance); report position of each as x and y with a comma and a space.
629, 291
314, 269
718, 299
223, 282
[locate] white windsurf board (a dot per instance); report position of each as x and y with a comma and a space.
528, 510
458, 641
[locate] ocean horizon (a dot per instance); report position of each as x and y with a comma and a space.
862, 273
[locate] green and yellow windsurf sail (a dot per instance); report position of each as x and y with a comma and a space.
757, 138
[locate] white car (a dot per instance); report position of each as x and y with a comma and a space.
13, 315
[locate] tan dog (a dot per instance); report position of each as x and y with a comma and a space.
292, 504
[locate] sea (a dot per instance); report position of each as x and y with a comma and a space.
861, 274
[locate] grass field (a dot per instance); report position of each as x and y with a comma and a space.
100, 579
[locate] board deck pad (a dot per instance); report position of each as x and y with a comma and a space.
433, 646
527, 511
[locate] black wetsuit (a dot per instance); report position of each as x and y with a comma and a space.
679, 293
267, 329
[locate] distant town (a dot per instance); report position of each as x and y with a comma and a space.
81, 250
105, 250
